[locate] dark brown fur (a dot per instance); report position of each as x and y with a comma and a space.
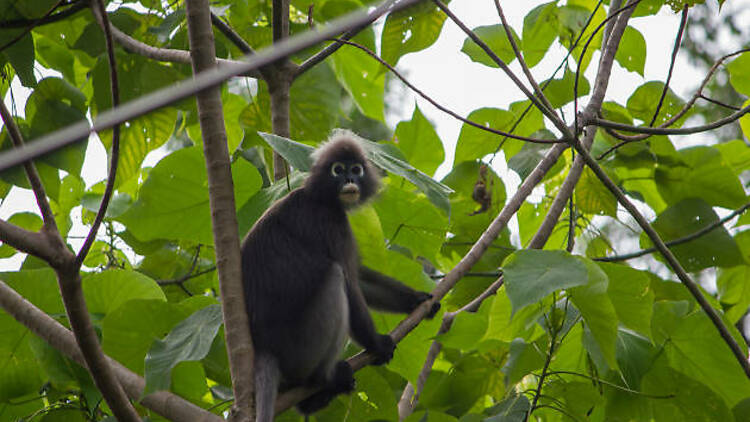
300, 271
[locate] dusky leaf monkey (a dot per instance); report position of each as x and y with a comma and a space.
305, 289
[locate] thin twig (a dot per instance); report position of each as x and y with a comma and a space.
440, 106
47, 18
675, 49
678, 241
30, 27
100, 14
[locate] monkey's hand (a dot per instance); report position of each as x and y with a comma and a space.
383, 350
423, 296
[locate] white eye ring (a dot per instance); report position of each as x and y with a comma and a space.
337, 169
358, 170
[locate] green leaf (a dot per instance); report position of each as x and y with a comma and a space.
531, 275
739, 73
411, 29
734, 291
410, 221
24, 220
474, 143
523, 359
631, 53
467, 329
745, 120
108, 290
691, 400
593, 197
701, 173
315, 101
526, 160
643, 102
736, 154
573, 18
420, 143
597, 310
716, 248
190, 340
513, 408
173, 202
631, 294
496, 39
539, 31
362, 78
560, 91
295, 153
20, 54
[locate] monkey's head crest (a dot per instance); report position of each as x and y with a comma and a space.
341, 172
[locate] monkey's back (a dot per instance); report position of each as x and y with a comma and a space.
287, 260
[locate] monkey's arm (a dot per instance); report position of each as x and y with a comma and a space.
362, 328
388, 294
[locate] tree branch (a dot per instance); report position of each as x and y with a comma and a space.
667, 131
675, 49
75, 7
694, 290
100, 14
550, 114
45, 327
223, 214
181, 90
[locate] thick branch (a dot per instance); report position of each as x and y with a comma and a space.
69, 281
45, 327
172, 55
576, 169
27, 241
223, 214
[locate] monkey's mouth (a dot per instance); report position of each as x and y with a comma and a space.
349, 194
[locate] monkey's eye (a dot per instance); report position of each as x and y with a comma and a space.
337, 169
357, 169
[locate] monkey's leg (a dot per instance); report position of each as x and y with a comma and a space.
342, 381
388, 294
267, 377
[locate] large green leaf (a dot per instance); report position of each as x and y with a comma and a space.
173, 202
531, 275
539, 30
572, 18
716, 248
631, 294
734, 291
513, 408
523, 358
496, 39
701, 173
20, 54
315, 100
474, 143
411, 29
561, 91
643, 102
108, 290
597, 310
24, 220
739, 73
419, 142
631, 53
362, 78
295, 153
190, 340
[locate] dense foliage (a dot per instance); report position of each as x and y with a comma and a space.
567, 336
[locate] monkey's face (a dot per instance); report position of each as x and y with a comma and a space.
348, 177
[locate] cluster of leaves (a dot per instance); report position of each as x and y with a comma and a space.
566, 335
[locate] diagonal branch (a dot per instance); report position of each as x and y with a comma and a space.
692, 287
595, 121
675, 49
550, 114
75, 7
45, 327
184, 89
